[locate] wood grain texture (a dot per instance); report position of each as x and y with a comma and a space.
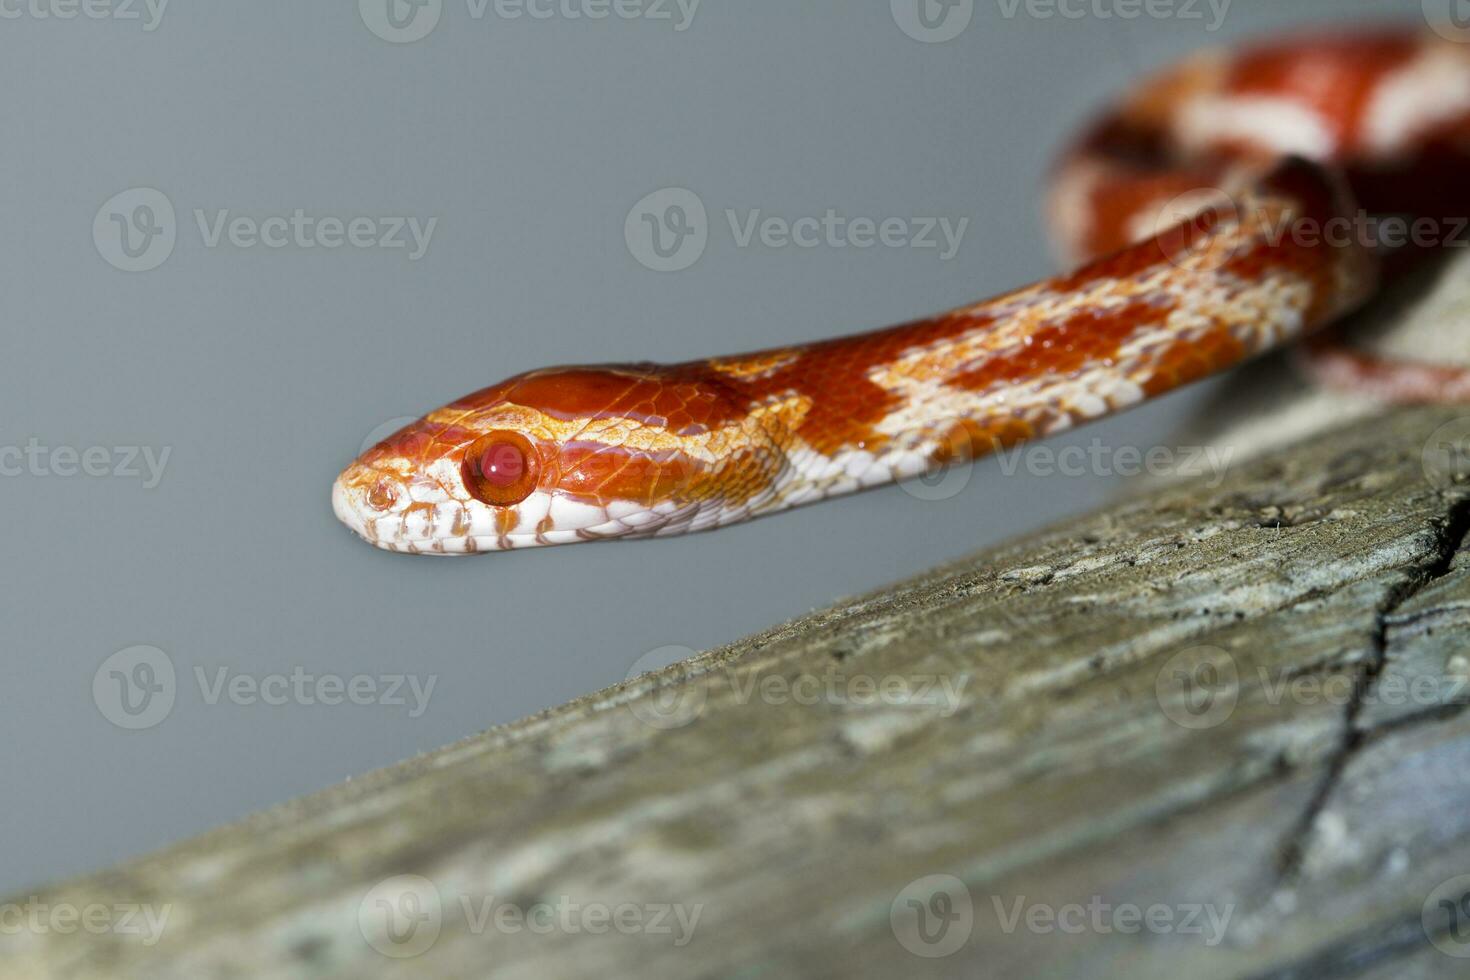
1289, 793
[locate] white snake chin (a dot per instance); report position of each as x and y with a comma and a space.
427, 518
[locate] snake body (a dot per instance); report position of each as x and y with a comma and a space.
1184, 202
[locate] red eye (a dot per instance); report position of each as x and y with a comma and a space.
502, 464
500, 469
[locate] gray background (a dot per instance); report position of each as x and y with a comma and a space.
263, 370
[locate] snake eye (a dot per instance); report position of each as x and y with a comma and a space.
501, 468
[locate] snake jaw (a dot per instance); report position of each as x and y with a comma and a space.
466, 526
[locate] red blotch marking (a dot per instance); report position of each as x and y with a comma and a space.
1085, 338
1186, 361
646, 393
845, 403
594, 472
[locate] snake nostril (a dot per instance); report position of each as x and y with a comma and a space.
382, 496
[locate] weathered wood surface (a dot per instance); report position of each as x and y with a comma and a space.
1241, 705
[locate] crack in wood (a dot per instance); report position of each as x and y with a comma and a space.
1450, 534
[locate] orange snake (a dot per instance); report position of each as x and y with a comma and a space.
1293, 136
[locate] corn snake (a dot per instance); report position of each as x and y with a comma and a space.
1186, 202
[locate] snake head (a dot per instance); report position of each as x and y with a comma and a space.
553, 457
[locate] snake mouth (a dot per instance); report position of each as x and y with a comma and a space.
395, 527
351, 513
454, 527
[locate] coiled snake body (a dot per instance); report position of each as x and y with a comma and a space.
1195, 191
